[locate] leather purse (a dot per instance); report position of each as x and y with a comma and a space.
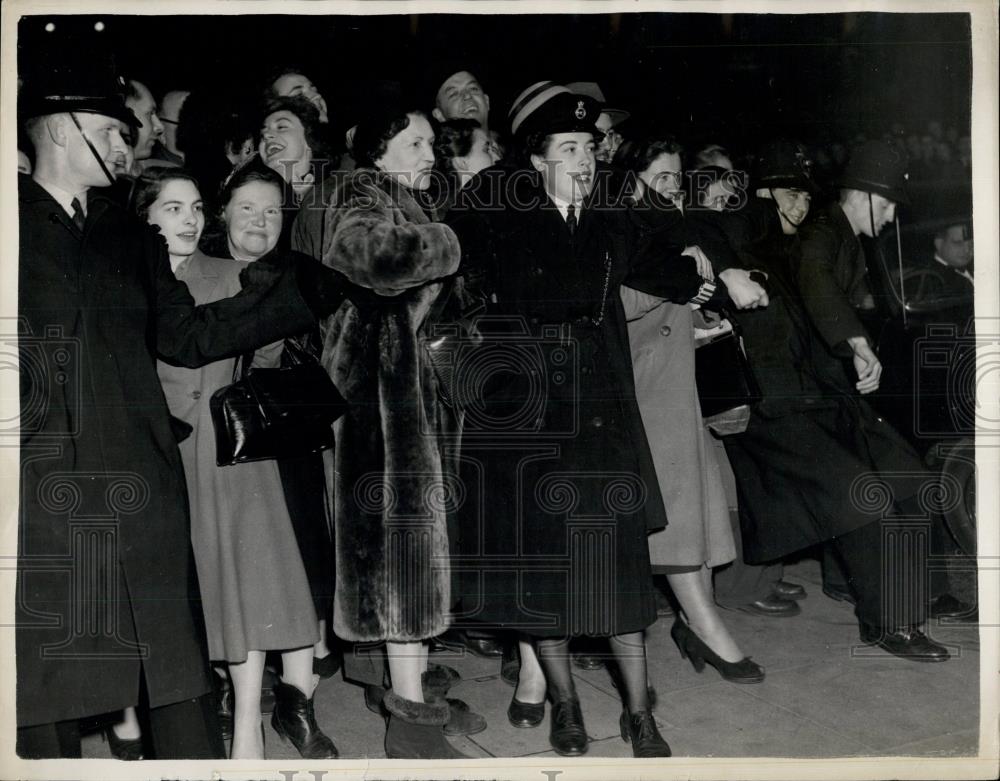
275, 413
446, 343
726, 384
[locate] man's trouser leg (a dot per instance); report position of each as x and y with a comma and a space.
56, 740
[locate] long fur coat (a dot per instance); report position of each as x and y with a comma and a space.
392, 481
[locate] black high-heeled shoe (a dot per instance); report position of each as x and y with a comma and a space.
126, 749
694, 648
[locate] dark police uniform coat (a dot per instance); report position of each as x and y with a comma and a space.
105, 579
816, 461
560, 487
832, 277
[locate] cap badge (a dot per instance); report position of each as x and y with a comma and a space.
580, 112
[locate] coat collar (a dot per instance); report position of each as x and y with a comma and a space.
401, 197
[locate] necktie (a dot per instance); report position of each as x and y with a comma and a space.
79, 218
571, 219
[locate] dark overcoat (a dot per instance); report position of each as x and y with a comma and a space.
105, 572
832, 277
815, 461
560, 486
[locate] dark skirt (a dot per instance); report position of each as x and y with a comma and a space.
552, 529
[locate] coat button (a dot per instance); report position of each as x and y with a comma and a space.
534, 321
585, 370
196, 394
597, 421
665, 330
537, 271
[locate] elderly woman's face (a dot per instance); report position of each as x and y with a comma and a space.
253, 220
283, 142
409, 155
177, 212
295, 84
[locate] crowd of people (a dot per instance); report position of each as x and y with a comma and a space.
511, 304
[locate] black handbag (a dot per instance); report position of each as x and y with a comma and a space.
446, 344
726, 384
274, 413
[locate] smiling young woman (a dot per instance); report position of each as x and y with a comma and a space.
240, 521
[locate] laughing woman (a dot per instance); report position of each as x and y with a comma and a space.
292, 143
240, 527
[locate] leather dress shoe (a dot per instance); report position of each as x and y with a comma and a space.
457, 641
588, 661
772, 606
525, 714
786, 590
907, 643
640, 730
947, 606
839, 594
461, 719
567, 735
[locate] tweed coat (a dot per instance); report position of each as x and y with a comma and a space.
661, 339
253, 585
106, 578
392, 480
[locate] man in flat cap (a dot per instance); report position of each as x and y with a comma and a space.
106, 589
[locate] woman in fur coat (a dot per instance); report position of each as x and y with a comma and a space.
393, 477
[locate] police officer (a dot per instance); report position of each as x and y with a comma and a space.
106, 590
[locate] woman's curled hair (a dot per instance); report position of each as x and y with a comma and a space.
376, 130
148, 186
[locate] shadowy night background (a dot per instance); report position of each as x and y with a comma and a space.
732, 78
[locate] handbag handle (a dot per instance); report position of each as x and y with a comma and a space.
241, 367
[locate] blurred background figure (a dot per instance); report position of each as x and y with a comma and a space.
609, 122
290, 82
170, 111
462, 149
150, 132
